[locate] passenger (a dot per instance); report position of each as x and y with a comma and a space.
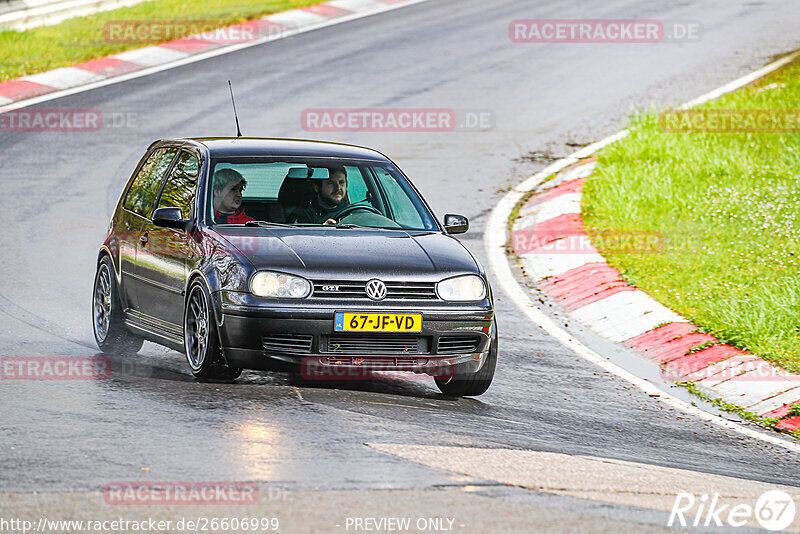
228, 187
331, 198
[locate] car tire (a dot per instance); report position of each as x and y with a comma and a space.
472, 384
108, 323
200, 338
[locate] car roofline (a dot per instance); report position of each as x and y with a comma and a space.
203, 143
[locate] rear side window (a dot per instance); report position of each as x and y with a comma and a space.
263, 179
142, 195
179, 189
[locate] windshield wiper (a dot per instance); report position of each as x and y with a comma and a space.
342, 225
349, 225
268, 224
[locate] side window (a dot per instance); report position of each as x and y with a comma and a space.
403, 207
356, 188
263, 179
142, 194
180, 187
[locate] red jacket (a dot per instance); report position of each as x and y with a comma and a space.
237, 217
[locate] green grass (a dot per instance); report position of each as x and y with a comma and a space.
727, 207
82, 38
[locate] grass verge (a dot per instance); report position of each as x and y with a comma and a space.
766, 422
83, 38
726, 210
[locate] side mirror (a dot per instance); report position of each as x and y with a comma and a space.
169, 218
455, 224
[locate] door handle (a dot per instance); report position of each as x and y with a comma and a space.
144, 239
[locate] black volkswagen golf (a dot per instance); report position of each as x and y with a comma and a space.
258, 253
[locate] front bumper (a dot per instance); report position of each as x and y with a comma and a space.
261, 337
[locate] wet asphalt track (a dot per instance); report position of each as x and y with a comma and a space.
59, 190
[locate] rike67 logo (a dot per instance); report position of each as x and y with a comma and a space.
774, 510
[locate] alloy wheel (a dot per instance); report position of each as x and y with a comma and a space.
102, 302
197, 328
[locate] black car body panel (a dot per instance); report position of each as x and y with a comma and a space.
155, 266
320, 253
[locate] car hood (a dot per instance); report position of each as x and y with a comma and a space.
320, 253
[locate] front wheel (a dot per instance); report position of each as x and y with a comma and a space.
200, 339
107, 322
472, 384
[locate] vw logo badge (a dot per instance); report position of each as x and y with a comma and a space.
376, 290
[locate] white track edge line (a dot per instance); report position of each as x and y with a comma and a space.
741, 82
495, 244
200, 57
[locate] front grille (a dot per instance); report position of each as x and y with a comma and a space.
458, 345
410, 291
386, 344
288, 342
333, 289
343, 289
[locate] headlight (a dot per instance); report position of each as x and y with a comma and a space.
462, 288
279, 285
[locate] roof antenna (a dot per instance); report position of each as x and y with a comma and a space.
235, 115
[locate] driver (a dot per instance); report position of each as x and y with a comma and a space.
331, 198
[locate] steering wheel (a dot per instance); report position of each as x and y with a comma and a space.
355, 207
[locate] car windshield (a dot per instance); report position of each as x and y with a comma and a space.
314, 192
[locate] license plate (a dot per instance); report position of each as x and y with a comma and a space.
377, 322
